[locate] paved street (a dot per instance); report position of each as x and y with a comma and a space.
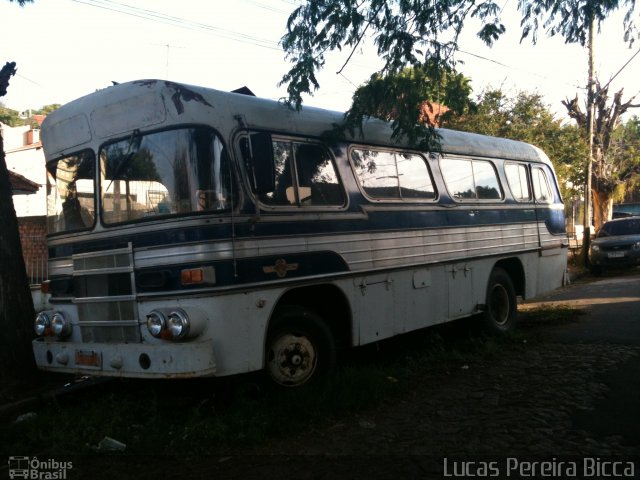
612, 317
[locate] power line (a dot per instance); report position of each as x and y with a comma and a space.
266, 7
180, 22
520, 69
621, 69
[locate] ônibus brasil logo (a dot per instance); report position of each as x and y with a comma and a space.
32, 468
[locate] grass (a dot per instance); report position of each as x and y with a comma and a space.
204, 415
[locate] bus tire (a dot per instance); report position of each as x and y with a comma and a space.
500, 308
300, 348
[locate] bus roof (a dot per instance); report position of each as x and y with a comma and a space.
118, 110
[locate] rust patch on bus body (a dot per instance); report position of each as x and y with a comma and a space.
182, 94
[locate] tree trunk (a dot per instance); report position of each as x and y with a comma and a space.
602, 207
16, 304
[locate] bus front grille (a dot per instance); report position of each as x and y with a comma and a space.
104, 287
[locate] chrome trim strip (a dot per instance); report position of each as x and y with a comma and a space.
120, 298
102, 271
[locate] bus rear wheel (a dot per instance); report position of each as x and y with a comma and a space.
500, 308
300, 348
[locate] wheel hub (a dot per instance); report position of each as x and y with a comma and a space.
292, 360
499, 304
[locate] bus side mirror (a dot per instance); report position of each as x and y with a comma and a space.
258, 156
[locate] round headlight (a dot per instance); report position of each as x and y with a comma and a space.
595, 248
178, 324
636, 246
42, 324
156, 323
61, 326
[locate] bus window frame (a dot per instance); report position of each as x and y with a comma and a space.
397, 200
292, 140
527, 168
464, 201
234, 189
550, 187
96, 206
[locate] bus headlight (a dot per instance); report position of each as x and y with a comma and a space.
178, 324
61, 326
42, 324
156, 323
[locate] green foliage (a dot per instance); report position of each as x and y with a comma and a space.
403, 99
571, 20
624, 155
10, 117
415, 34
47, 109
404, 34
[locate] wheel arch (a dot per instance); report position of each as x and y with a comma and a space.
328, 301
513, 267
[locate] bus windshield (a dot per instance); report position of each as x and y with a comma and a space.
70, 193
164, 173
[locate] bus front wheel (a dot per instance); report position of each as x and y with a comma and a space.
300, 347
500, 308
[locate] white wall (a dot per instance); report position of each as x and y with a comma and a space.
28, 161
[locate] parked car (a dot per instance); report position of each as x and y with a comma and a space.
617, 244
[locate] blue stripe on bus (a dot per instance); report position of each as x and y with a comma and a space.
243, 271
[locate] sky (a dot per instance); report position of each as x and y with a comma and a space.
65, 49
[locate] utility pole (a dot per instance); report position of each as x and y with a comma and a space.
591, 103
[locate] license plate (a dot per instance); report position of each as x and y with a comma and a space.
616, 254
88, 359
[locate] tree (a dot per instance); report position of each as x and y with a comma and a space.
411, 96
9, 117
611, 170
46, 109
16, 304
626, 146
422, 35
419, 34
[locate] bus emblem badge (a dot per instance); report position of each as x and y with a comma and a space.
281, 268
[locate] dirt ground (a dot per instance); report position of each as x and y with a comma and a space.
542, 400
529, 402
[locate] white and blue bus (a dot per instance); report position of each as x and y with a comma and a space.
194, 232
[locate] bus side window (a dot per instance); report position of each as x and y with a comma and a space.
385, 175
471, 179
304, 176
284, 192
518, 181
318, 183
541, 188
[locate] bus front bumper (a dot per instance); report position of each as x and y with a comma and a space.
170, 360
